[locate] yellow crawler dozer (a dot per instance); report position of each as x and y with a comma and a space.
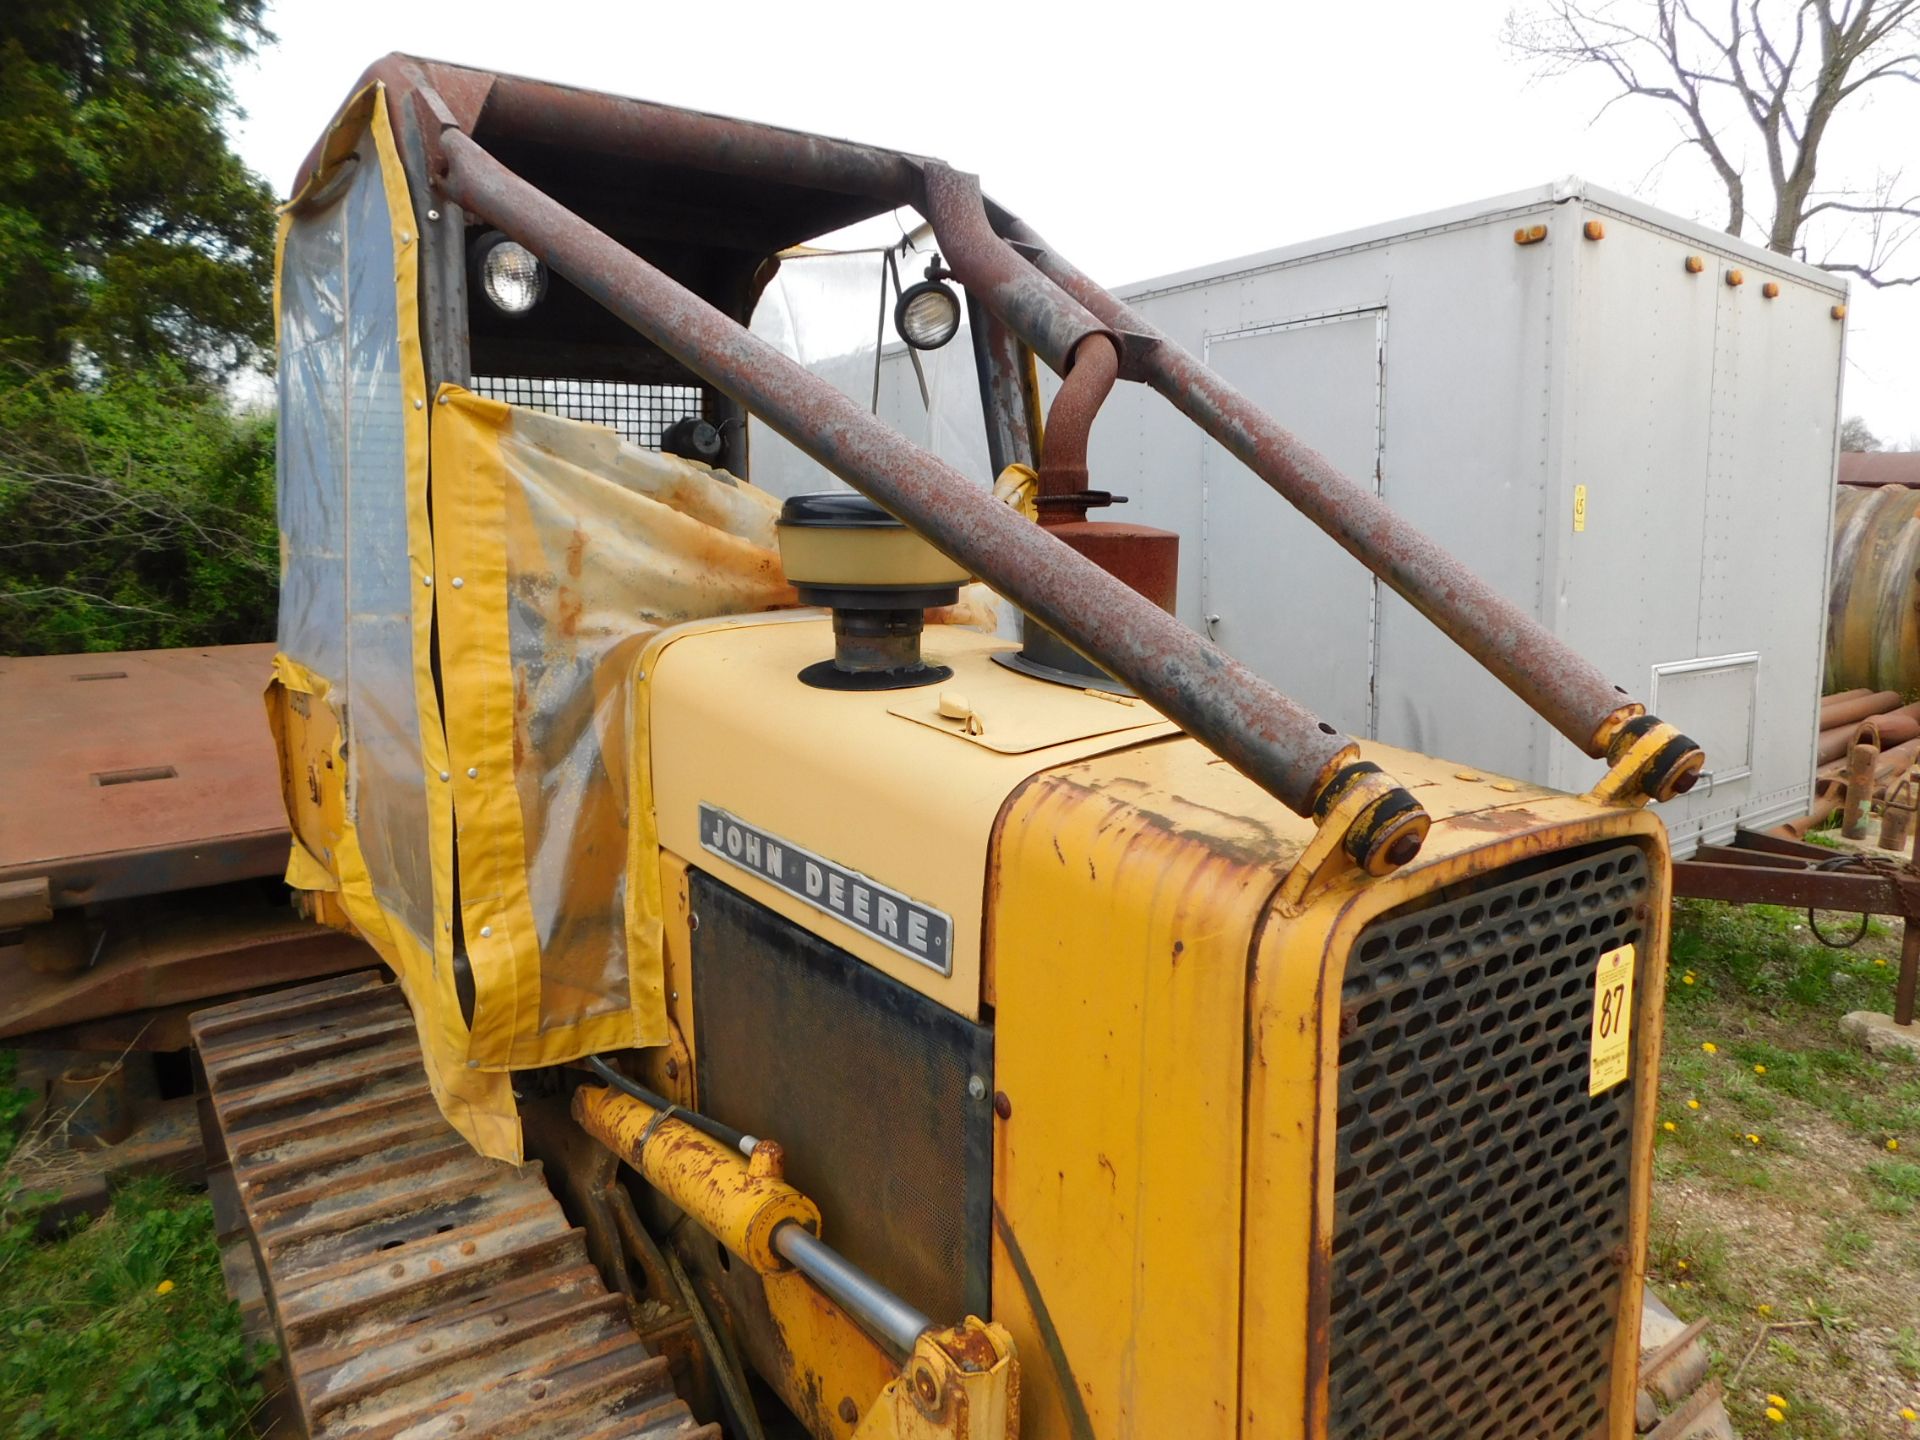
814, 1013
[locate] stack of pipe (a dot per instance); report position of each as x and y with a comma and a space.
1873, 718
1842, 716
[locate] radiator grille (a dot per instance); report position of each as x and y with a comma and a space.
1481, 1196
638, 412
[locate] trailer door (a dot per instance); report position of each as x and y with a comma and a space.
1276, 592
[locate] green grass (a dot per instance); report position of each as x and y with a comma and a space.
13, 1103
90, 1347
1763, 952
1753, 981
1788, 1240
1906, 1352
1893, 1186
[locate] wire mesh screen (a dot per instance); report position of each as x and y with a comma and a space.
1483, 1196
638, 412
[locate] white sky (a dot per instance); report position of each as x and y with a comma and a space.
1139, 139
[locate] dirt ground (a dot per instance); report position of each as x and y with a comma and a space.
1787, 1175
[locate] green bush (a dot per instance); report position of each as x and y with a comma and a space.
134, 514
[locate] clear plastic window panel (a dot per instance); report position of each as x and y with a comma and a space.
384, 764
312, 519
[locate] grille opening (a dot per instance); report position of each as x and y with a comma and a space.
637, 412
1481, 1196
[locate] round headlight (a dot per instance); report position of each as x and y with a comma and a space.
511, 276
928, 315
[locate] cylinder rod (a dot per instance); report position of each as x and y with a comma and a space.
877, 1307
1539, 667
1271, 739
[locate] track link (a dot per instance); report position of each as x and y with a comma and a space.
418, 1290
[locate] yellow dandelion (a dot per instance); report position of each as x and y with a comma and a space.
1907, 1414
1687, 979
1776, 1414
1682, 1264
1893, 1144
1763, 1310
1779, 1402
1878, 960
1710, 1047
1759, 1069
1669, 1126
1693, 1104
165, 1287
1752, 1139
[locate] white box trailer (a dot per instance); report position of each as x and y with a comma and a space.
1605, 425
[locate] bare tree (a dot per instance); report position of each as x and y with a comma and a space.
1856, 435
1773, 71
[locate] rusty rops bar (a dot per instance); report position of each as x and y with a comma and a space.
1531, 661
1048, 320
998, 360
1269, 738
535, 111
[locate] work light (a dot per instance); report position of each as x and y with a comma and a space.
511, 276
928, 315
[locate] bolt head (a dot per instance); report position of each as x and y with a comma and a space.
976, 1087
486, 932
849, 1412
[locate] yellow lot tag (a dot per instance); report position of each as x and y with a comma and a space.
1579, 508
1612, 1020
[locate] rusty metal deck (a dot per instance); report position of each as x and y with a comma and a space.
418, 1290
138, 772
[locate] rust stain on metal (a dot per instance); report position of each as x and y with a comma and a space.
415, 1286
192, 720
971, 1350
150, 956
